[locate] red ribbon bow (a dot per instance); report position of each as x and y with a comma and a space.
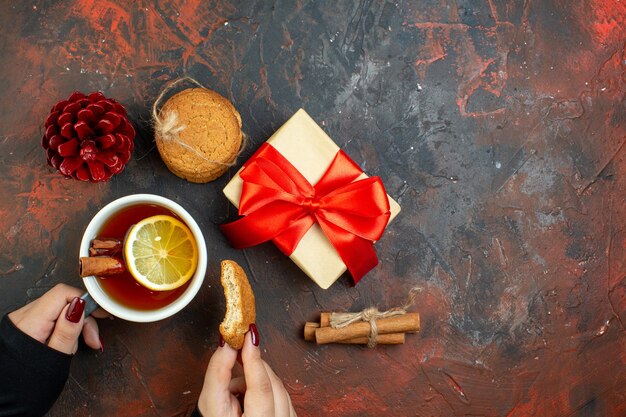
279, 204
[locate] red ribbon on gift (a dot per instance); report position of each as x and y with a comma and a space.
279, 204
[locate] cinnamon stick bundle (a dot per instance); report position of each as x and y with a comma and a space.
409, 322
369, 326
390, 331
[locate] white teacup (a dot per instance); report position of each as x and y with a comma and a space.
125, 312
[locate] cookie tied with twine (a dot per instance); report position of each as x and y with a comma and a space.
197, 132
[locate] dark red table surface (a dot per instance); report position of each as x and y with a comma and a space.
499, 126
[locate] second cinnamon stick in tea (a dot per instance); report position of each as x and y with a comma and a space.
105, 247
409, 322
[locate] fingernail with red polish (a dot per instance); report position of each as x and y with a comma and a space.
75, 311
222, 342
255, 334
101, 345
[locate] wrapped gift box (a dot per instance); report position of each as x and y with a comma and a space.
310, 150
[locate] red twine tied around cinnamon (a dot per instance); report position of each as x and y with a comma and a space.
279, 204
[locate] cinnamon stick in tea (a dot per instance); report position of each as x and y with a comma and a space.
409, 322
100, 266
105, 247
381, 339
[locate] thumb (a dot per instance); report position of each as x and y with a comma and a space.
215, 398
68, 326
91, 334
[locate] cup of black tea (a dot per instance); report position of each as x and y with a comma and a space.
123, 294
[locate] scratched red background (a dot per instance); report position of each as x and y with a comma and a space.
498, 125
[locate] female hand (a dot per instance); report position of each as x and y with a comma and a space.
56, 319
264, 393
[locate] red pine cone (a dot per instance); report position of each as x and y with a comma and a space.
88, 137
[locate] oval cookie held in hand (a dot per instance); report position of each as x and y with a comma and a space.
240, 305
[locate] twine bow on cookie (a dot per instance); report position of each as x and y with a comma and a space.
370, 315
168, 127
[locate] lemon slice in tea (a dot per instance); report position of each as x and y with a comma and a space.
161, 253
